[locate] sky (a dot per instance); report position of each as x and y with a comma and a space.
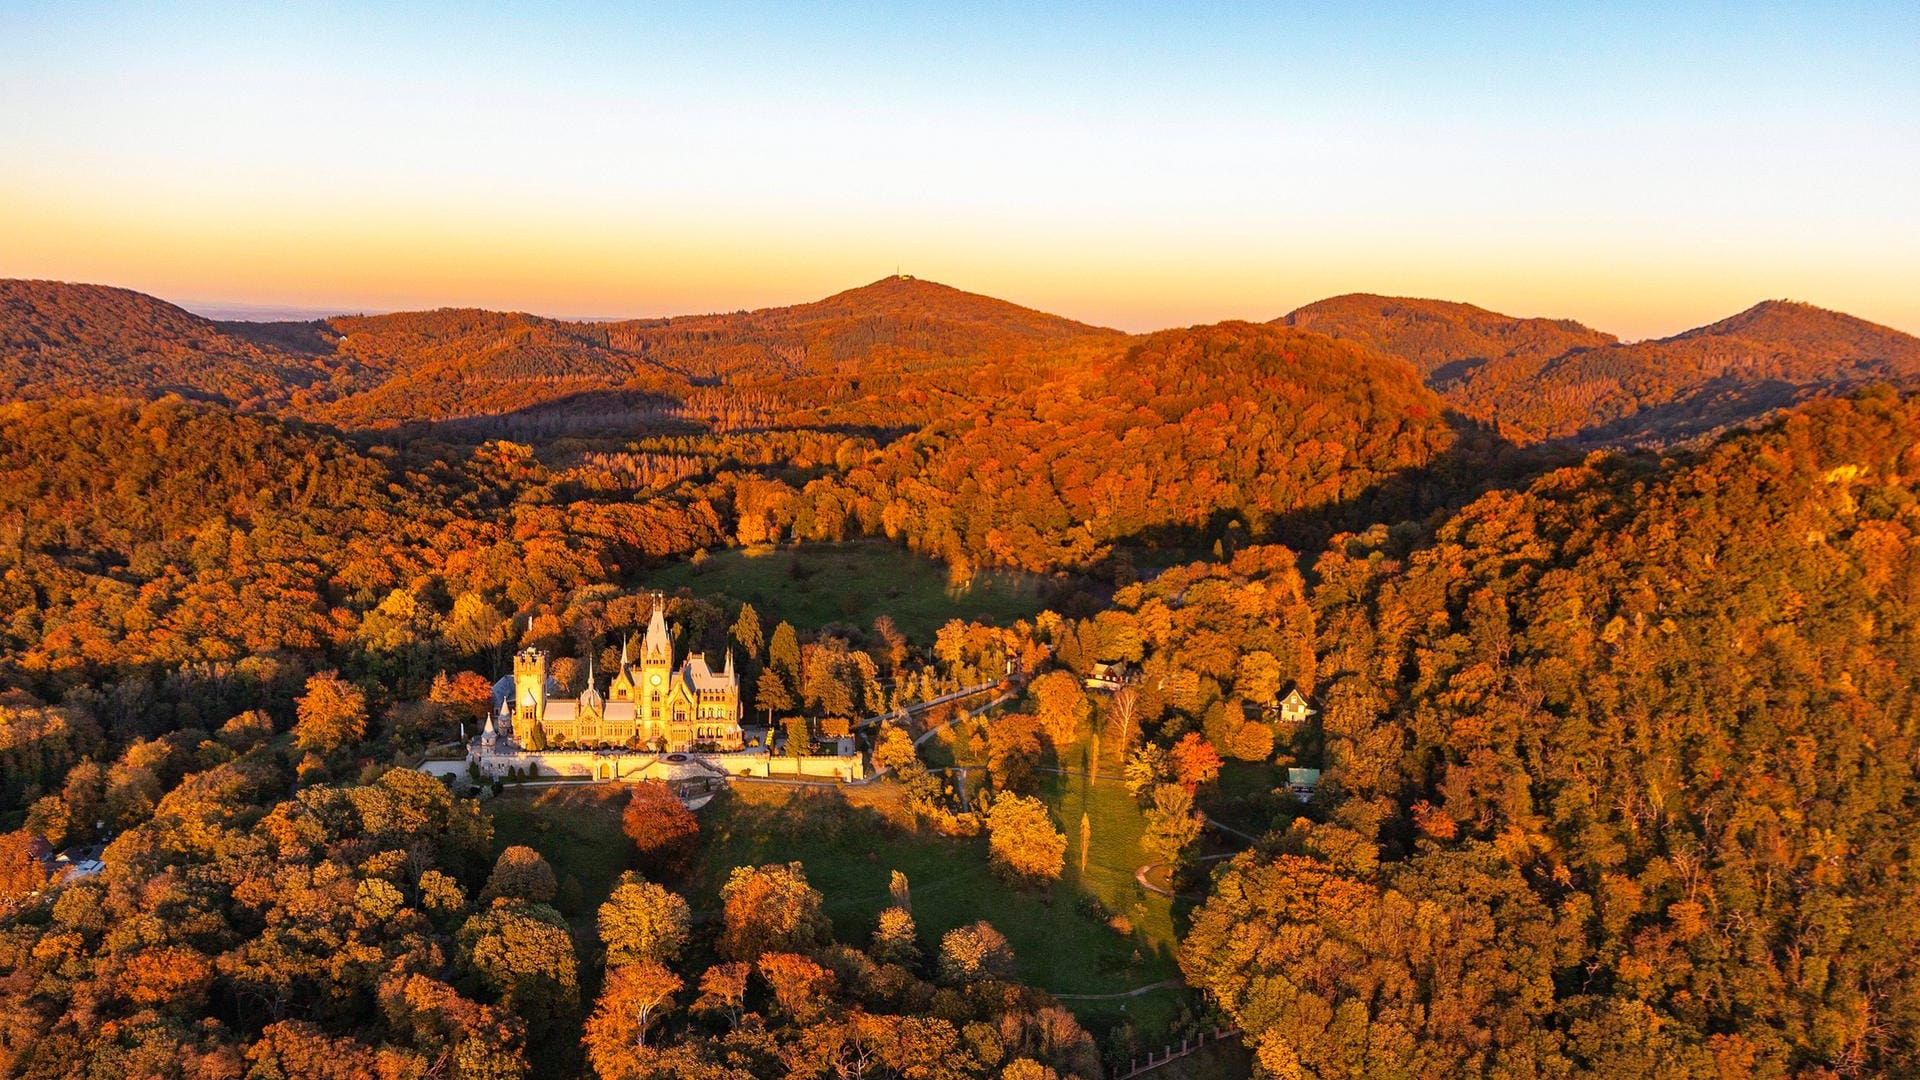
1642, 168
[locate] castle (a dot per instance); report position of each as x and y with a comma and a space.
650, 705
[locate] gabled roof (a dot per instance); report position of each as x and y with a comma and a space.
699, 676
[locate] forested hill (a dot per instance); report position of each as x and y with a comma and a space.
58, 339
1446, 341
1623, 779
1556, 380
897, 330
1179, 433
895, 335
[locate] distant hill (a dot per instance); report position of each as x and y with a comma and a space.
58, 339
1546, 379
452, 363
898, 343
896, 354
1445, 340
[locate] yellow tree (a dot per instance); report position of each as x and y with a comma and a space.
1022, 841
642, 921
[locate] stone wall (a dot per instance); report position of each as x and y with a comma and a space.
630, 768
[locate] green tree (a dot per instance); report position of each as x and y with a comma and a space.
1172, 825
523, 954
521, 873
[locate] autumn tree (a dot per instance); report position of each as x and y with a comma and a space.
21, 871
1013, 752
634, 997
1123, 714
1061, 704
723, 990
1172, 825
664, 832
1147, 768
521, 873
1194, 761
896, 940
770, 909
893, 749
1022, 841
642, 921
973, 953
800, 985
332, 714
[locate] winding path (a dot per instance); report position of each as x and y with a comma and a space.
1140, 876
1138, 991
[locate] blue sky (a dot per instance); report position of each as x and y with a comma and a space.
1643, 168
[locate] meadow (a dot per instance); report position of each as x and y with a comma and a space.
812, 585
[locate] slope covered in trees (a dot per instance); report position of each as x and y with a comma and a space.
853, 344
1738, 369
1621, 779
178, 534
1446, 341
58, 339
1554, 379
867, 353
1167, 437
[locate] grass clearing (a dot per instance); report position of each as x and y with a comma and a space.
811, 585
577, 830
850, 843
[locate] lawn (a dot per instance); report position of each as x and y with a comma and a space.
811, 585
577, 830
852, 838
850, 841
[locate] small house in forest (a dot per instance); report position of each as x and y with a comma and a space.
1111, 676
1294, 709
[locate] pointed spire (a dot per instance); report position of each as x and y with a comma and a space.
625, 640
729, 671
658, 641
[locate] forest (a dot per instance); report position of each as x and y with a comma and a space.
1610, 763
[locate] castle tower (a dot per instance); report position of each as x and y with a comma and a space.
657, 646
529, 686
656, 666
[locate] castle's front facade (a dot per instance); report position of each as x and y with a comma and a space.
650, 705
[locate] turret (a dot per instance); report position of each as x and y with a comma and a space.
624, 678
529, 686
